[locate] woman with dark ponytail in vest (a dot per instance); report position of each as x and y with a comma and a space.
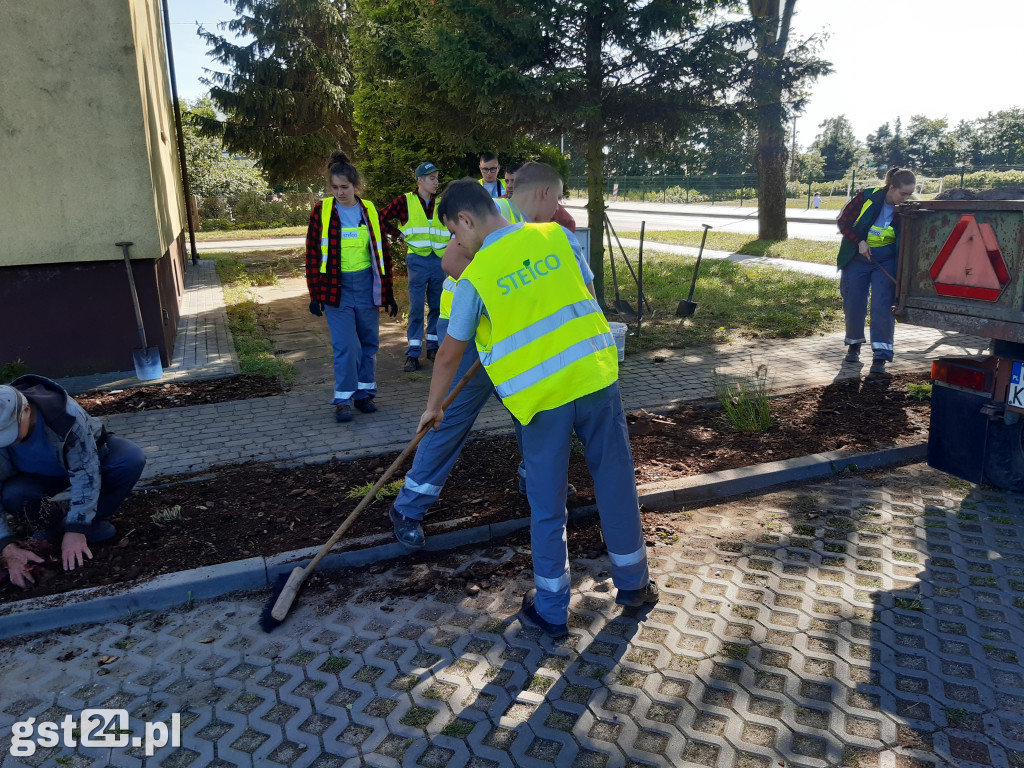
867, 259
348, 272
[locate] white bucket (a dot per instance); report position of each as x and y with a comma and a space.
619, 334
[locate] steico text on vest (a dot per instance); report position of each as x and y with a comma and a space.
421, 235
543, 339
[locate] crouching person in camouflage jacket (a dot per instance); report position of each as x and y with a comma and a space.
49, 444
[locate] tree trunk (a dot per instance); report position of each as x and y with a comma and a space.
594, 131
595, 209
772, 156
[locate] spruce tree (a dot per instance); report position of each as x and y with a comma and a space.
287, 91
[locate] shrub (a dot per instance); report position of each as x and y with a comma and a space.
746, 399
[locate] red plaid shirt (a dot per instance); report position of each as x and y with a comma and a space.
398, 210
848, 216
326, 286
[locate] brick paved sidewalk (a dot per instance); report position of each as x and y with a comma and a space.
203, 348
299, 425
868, 622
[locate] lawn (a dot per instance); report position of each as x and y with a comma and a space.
249, 234
817, 251
734, 301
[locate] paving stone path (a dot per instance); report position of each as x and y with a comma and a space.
865, 622
299, 427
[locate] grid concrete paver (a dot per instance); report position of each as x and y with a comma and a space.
864, 621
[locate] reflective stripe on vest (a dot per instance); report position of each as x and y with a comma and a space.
422, 236
447, 294
544, 340
377, 246
877, 236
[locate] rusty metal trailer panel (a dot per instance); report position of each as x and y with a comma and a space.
961, 267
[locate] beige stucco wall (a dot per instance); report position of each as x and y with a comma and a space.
86, 133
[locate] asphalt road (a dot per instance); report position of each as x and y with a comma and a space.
626, 217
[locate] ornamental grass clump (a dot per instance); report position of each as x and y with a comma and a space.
746, 399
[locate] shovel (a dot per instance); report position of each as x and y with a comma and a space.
621, 305
688, 306
146, 359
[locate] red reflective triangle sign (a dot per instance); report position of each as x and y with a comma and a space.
970, 264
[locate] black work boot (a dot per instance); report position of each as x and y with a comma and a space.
852, 353
411, 364
409, 532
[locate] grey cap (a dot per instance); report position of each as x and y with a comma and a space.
11, 403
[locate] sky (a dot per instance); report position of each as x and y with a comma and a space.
892, 58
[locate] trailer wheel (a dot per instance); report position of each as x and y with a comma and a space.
1004, 459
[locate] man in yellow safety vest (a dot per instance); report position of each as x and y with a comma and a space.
425, 239
527, 302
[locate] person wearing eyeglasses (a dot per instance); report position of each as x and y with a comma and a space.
48, 444
489, 167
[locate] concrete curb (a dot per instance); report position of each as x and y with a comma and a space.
108, 603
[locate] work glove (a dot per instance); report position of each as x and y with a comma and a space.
391, 306
316, 308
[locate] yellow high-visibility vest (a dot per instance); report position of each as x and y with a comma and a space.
877, 236
423, 237
377, 245
510, 213
544, 340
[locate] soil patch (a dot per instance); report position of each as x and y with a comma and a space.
258, 509
104, 402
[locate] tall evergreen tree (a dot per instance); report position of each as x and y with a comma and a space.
837, 145
489, 70
779, 71
287, 92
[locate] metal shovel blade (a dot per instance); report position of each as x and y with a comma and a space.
623, 308
686, 308
147, 363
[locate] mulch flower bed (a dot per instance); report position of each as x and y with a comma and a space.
246, 510
104, 402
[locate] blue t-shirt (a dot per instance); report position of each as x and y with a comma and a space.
467, 306
350, 215
885, 216
34, 455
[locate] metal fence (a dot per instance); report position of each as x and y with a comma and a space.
741, 189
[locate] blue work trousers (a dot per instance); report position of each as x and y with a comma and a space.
440, 448
600, 425
121, 465
857, 279
355, 337
425, 279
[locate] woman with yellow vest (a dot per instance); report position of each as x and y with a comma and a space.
425, 239
527, 302
867, 259
348, 273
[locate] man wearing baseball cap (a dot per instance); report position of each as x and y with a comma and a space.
49, 444
426, 239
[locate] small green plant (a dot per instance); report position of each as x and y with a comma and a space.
167, 515
459, 728
746, 399
958, 717
387, 491
919, 392
12, 370
576, 447
335, 664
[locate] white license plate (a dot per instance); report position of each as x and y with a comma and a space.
1015, 395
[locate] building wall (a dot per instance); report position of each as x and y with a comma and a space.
88, 145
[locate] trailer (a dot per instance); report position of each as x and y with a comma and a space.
961, 269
